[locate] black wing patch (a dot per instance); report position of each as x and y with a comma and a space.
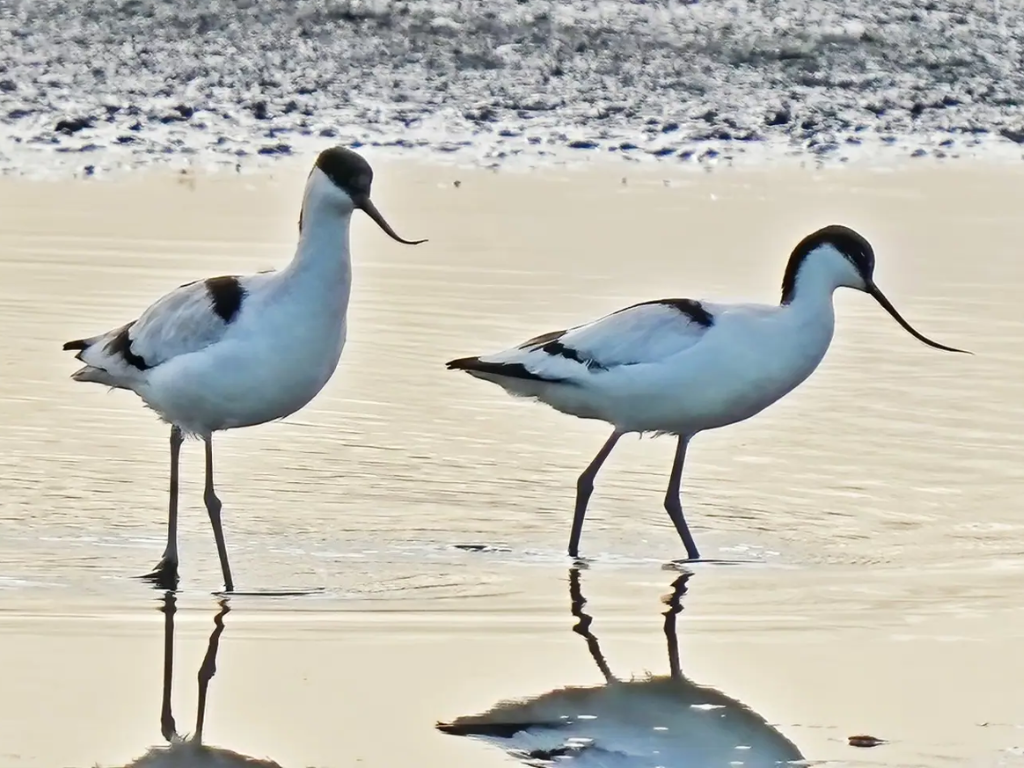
121, 345
558, 349
692, 309
544, 338
227, 294
550, 343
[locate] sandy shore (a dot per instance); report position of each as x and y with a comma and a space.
872, 515
137, 82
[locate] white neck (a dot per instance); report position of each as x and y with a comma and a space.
815, 283
809, 317
810, 311
323, 248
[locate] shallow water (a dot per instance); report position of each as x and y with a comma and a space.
869, 522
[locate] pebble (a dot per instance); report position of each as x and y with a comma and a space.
865, 741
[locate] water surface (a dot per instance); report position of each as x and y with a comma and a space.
874, 512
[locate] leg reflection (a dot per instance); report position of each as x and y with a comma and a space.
167, 727
206, 672
675, 605
209, 668
582, 627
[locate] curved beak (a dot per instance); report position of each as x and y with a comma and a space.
367, 205
880, 298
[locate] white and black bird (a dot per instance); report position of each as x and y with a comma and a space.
229, 352
681, 367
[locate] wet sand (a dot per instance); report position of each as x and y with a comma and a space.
873, 513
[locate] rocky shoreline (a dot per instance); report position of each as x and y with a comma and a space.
114, 84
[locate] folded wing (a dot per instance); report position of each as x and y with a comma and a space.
643, 333
186, 320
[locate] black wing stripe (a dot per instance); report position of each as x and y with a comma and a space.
511, 370
121, 345
558, 349
544, 338
694, 310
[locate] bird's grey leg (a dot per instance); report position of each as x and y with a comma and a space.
167, 726
209, 669
672, 504
584, 488
213, 507
165, 575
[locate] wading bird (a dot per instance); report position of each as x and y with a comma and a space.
229, 352
681, 367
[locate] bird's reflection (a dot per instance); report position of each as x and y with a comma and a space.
189, 751
664, 720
